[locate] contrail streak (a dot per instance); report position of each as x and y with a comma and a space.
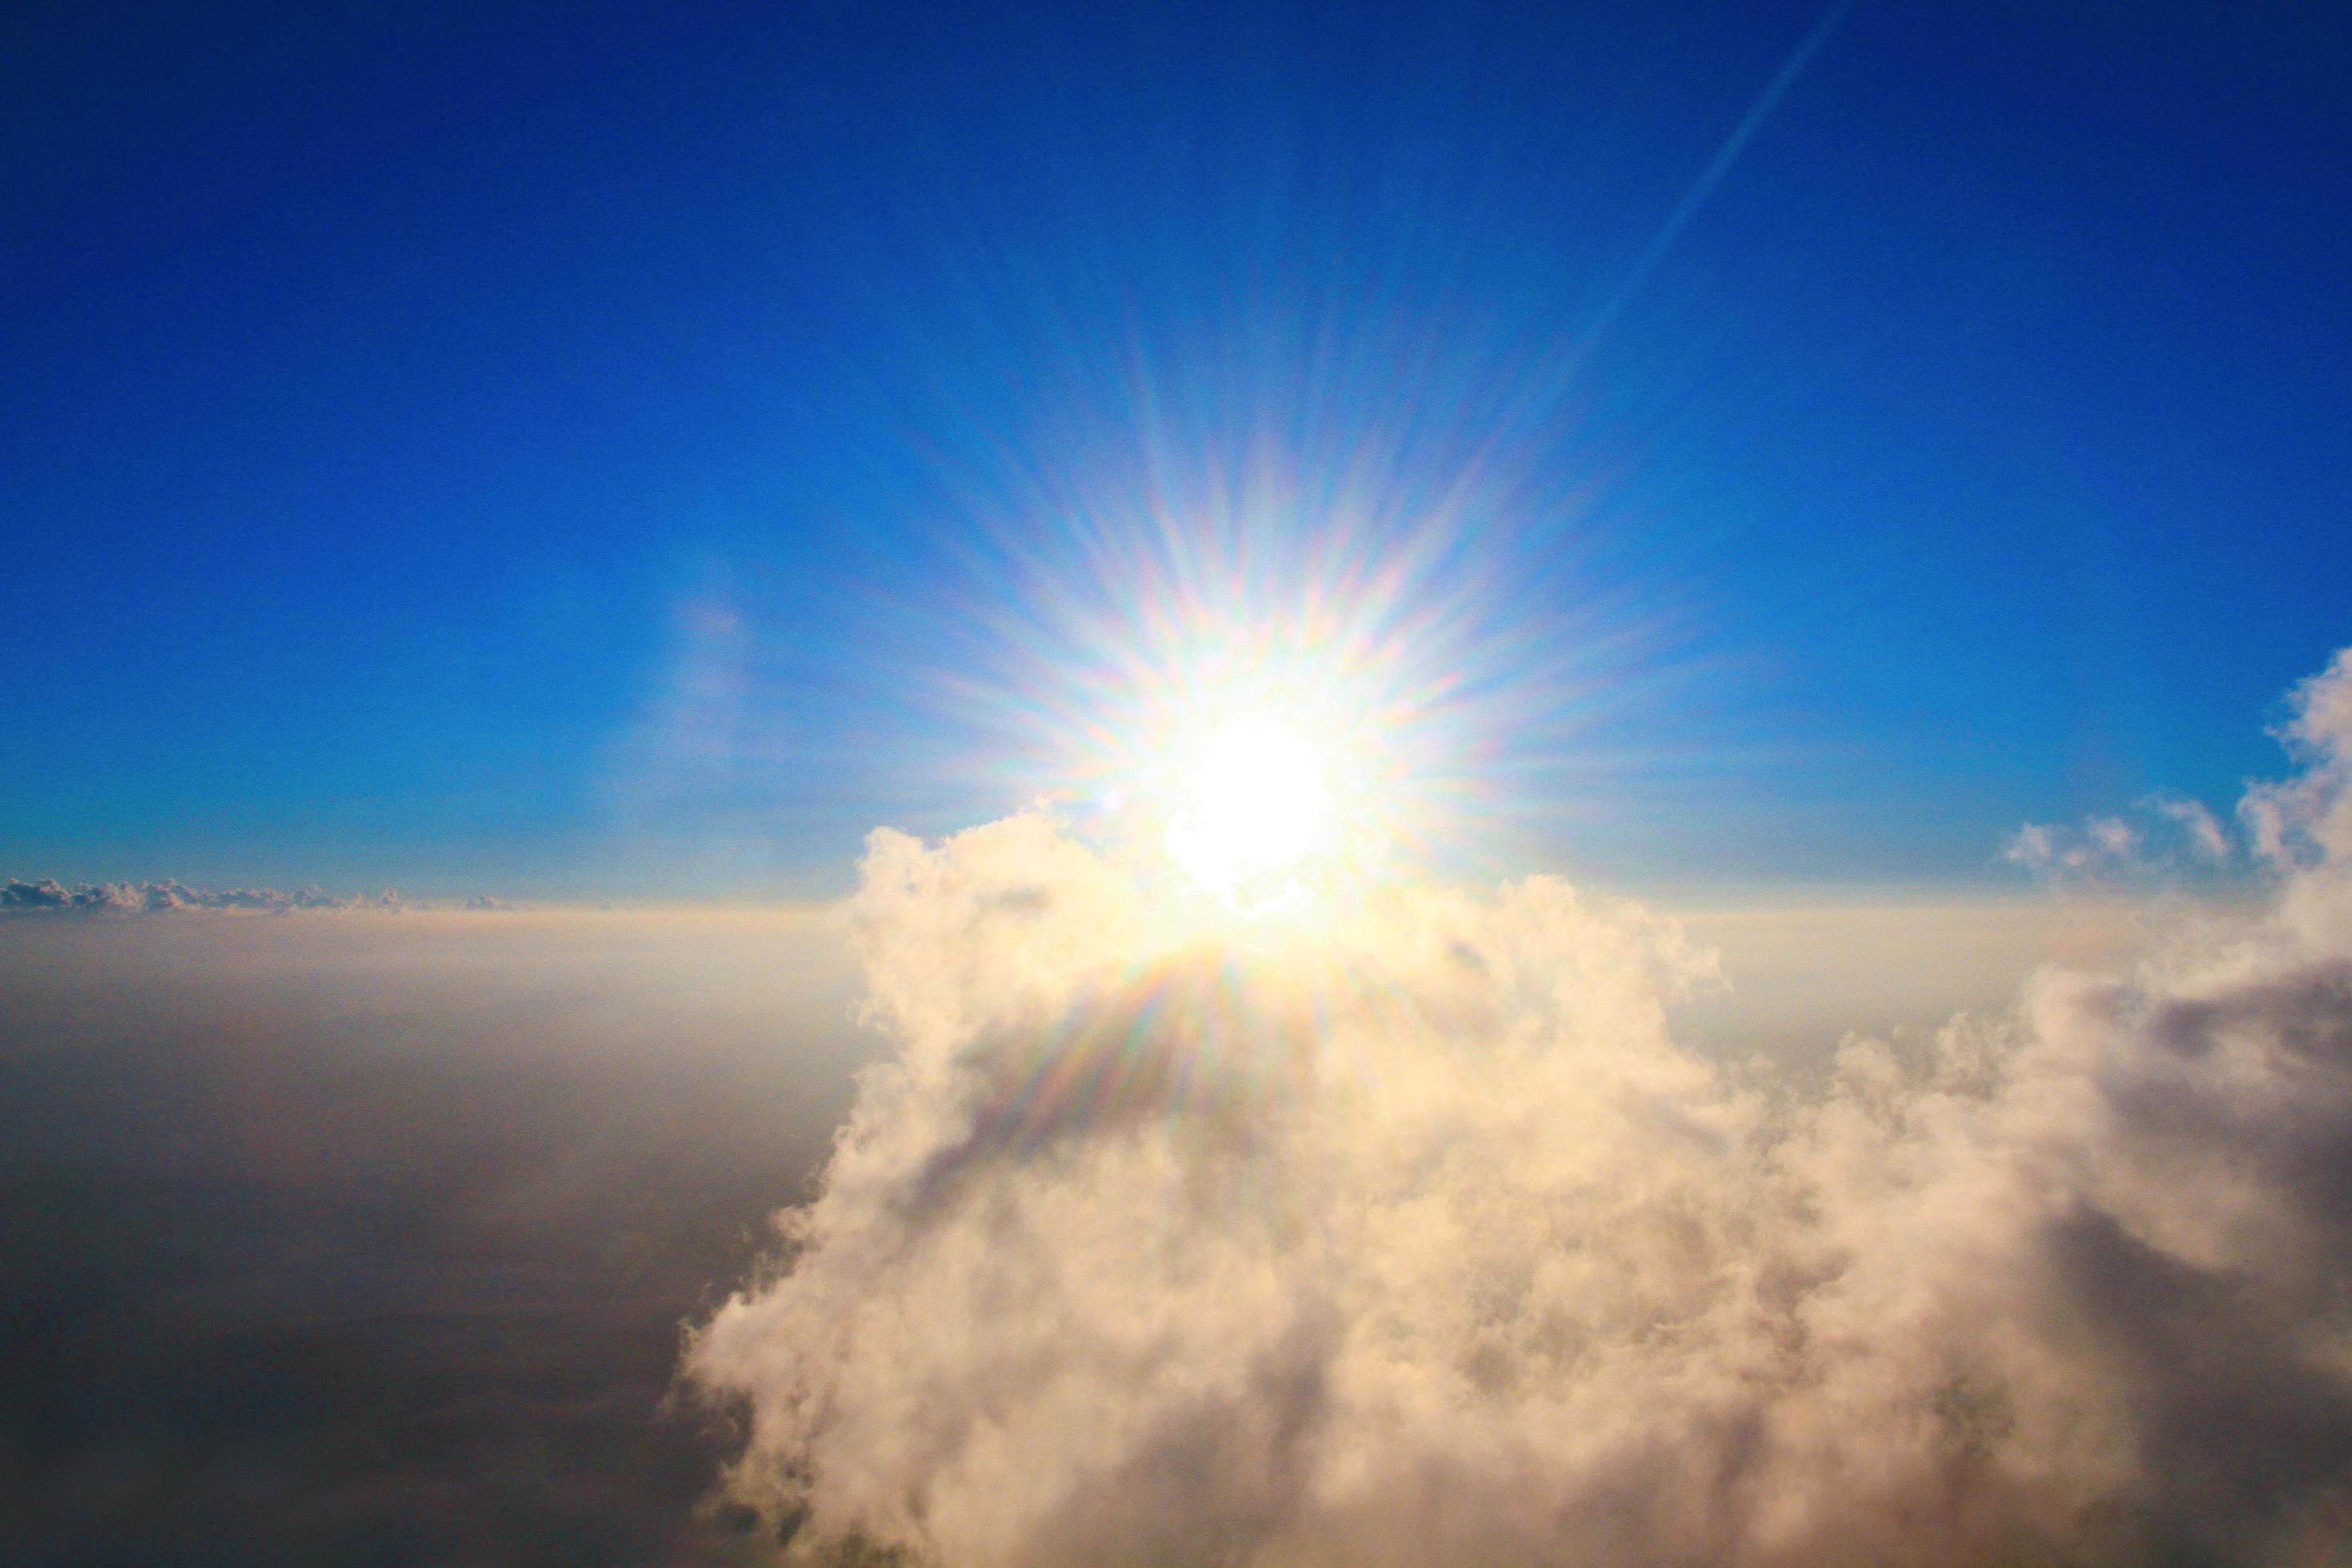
1709, 177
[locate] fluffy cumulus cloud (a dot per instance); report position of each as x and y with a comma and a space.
1410, 1236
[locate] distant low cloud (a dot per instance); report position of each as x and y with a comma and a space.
1418, 1240
52, 898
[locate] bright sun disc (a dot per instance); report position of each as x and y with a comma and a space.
1255, 770
1255, 804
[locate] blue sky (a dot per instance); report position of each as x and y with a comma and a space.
609, 451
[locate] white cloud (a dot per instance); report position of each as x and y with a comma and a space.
2112, 835
2204, 831
2181, 835
1422, 1241
2305, 821
2033, 846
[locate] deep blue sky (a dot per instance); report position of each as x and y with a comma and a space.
572, 451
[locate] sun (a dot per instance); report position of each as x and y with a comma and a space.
1254, 805
1264, 789
1270, 765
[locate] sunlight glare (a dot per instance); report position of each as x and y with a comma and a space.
1255, 804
